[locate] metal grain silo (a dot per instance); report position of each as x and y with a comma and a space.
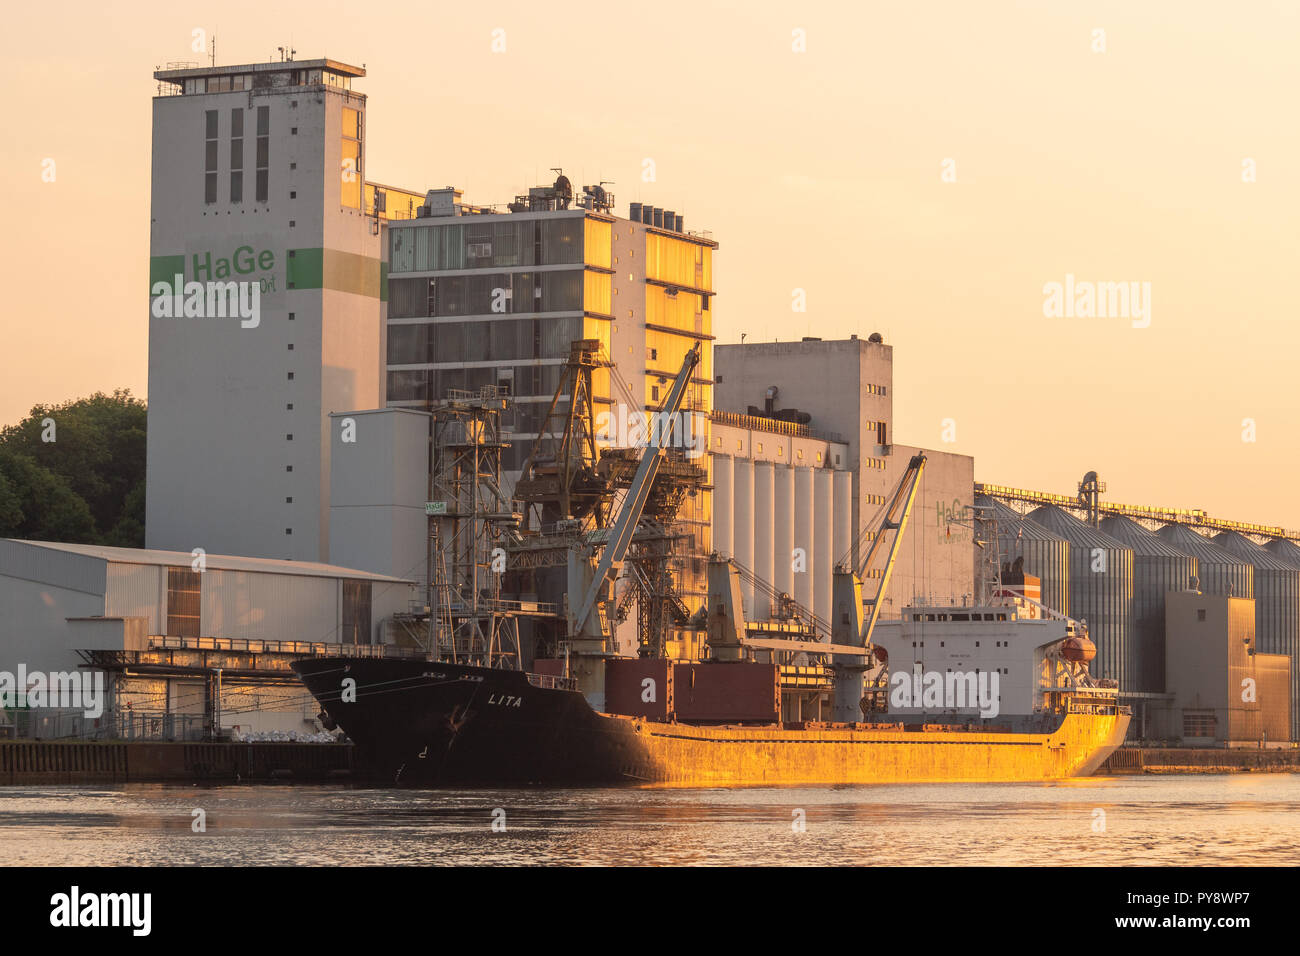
1277, 606
1158, 568
1046, 554
1219, 571
1288, 551
1101, 591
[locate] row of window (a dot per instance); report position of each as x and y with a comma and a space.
997, 616
520, 292
211, 151
424, 385
483, 244
264, 81
504, 340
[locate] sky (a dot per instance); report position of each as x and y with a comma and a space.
924, 170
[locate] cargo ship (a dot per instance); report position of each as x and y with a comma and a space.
995, 691
720, 723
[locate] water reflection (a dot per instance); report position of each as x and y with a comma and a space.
1246, 819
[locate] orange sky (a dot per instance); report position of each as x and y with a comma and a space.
817, 170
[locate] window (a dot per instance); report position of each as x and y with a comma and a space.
350, 172
356, 612
1200, 614
288, 531
263, 152
236, 155
184, 589
291, 376
210, 157
288, 500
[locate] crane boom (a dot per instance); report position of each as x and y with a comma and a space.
897, 511
623, 528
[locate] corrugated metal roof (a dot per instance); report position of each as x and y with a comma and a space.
1139, 538
1285, 550
1077, 532
214, 562
1012, 523
1249, 551
1199, 546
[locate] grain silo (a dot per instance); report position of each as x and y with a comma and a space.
1277, 606
1101, 591
1158, 568
1046, 554
1219, 571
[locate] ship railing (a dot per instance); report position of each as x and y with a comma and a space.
552, 682
300, 648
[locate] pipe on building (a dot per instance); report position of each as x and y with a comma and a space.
743, 526
764, 535
803, 536
783, 530
843, 514
723, 502
823, 543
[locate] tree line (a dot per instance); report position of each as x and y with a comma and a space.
75, 472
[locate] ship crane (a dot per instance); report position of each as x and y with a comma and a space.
584, 628
854, 619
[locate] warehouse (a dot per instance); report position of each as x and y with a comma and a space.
164, 624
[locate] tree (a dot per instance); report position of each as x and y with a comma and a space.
91, 449
43, 507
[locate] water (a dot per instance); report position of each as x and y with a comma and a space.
1236, 819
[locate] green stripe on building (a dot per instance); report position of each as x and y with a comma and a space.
165, 269
317, 268
336, 270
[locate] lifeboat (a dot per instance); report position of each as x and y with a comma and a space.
1079, 650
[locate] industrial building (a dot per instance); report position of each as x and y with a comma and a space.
1225, 691
400, 330
259, 177
843, 391
1132, 561
185, 640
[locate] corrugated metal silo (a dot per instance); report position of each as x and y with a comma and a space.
1047, 555
1277, 606
1288, 551
1101, 591
1220, 572
1158, 568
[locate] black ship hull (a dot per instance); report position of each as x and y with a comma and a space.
428, 724
423, 723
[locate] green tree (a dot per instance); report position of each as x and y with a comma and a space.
93, 449
43, 507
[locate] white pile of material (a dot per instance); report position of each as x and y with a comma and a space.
281, 737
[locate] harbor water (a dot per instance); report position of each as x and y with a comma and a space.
1244, 819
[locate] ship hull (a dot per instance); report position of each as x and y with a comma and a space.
422, 723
